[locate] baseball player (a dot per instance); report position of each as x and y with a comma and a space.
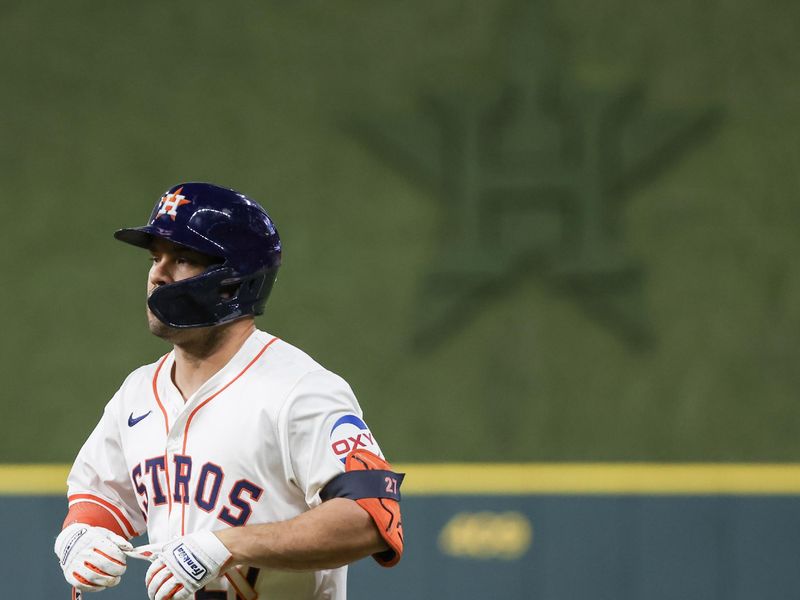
247, 463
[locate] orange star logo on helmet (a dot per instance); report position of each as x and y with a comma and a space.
170, 202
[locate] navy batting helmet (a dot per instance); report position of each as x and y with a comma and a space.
221, 223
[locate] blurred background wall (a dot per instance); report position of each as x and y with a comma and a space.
522, 231
559, 230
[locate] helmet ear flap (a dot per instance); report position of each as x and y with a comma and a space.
202, 301
253, 286
229, 291
255, 289
194, 302
247, 287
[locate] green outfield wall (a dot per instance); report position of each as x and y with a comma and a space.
523, 231
524, 532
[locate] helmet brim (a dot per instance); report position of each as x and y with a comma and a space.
137, 236
143, 238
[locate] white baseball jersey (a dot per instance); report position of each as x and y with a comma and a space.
255, 444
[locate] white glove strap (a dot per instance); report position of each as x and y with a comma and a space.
185, 565
196, 557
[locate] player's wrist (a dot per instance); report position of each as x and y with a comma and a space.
210, 543
227, 537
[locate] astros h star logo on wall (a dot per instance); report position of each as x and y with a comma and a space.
534, 162
170, 202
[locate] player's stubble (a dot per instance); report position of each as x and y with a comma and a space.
203, 341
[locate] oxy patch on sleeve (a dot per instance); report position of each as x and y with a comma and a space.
350, 433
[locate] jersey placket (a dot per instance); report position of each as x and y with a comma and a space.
179, 416
179, 413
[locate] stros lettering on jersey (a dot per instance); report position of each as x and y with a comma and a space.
255, 444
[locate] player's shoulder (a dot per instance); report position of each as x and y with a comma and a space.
293, 365
285, 358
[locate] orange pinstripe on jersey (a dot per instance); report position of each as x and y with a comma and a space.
166, 429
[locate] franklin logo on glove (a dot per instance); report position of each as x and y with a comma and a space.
189, 563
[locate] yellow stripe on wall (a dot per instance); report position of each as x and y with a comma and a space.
33, 480
602, 478
522, 479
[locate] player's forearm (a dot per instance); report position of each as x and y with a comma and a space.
333, 534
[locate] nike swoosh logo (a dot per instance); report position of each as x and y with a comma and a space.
134, 420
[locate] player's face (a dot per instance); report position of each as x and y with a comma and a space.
171, 263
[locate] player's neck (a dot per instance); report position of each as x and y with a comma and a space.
199, 359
